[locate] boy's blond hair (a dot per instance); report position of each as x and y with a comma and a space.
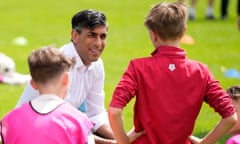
168, 20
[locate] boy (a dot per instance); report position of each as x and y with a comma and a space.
169, 87
234, 93
47, 118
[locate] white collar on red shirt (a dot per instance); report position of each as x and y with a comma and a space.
46, 103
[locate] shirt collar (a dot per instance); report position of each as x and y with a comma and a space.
46, 103
169, 51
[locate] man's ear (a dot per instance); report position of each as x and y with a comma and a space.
33, 84
74, 35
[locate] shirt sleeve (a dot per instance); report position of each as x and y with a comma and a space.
217, 98
95, 99
28, 94
126, 88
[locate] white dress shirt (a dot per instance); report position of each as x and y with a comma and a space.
86, 85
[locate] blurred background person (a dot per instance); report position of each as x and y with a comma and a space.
209, 10
224, 11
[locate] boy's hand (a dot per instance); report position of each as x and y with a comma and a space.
132, 135
195, 140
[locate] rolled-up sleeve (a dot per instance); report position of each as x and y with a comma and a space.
95, 107
217, 98
126, 88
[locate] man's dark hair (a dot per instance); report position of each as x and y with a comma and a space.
88, 19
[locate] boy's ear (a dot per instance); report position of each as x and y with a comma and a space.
66, 78
33, 84
185, 29
153, 35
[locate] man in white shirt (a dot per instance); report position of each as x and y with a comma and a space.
86, 90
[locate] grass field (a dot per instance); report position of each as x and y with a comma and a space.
48, 22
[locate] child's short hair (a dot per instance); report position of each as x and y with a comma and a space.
234, 92
47, 63
168, 20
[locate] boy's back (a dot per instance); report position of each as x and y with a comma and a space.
169, 88
167, 97
47, 118
62, 124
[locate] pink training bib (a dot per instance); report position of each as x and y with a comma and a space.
234, 139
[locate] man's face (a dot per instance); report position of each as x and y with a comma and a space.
90, 43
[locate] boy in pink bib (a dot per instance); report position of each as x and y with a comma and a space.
234, 93
47, 118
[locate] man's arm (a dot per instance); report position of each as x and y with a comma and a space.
218, 132
105, 131
100, 140
95, 107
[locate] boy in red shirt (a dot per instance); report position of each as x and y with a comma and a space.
169, 88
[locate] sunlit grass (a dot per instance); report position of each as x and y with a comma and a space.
48, 22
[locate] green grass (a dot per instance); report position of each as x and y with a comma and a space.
48, 22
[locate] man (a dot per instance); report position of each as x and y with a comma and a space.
88, 39
224, 11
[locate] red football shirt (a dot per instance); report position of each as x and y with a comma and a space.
170, 90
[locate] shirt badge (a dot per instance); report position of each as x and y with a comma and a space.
171, 67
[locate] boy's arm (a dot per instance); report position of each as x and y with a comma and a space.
116, 122
218, 132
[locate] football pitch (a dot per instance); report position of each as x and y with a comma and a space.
48, 22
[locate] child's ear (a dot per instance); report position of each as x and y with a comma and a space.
66, 78
153, 35
34, 85
185, 29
